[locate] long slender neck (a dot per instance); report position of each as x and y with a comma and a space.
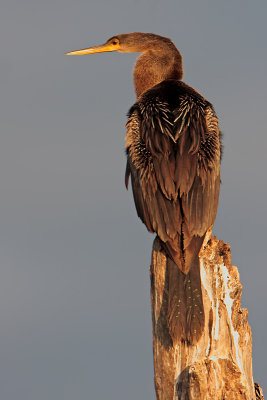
156, 65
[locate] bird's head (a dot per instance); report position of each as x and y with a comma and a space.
128, 43
160, 59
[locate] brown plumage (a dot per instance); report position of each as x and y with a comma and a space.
173, 157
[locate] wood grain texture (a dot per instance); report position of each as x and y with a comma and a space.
219, 366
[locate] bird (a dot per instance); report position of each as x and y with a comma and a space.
173, 148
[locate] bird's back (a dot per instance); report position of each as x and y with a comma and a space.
173, 149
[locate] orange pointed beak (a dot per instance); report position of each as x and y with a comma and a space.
96, 49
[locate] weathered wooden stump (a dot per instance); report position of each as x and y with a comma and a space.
219, 366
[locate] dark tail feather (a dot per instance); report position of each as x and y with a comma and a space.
185, 305
194, 303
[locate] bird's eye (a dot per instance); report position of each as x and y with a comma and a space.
115, 42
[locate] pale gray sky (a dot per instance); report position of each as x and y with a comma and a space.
74, 287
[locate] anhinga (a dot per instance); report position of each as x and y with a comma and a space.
173, 158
